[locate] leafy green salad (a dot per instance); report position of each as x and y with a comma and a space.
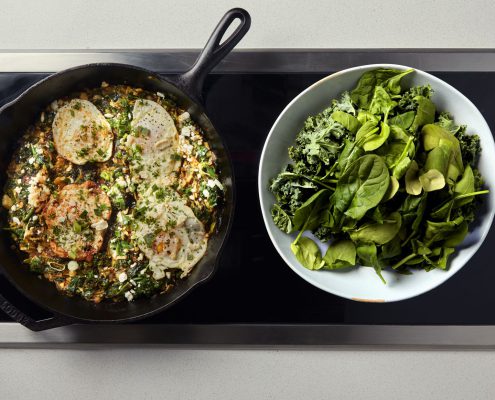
383, 177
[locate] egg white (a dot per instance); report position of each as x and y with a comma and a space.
169, 234
81, 133
153, 144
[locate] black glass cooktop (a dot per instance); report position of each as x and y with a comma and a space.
253, 285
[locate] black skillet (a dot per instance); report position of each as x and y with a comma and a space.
17, 115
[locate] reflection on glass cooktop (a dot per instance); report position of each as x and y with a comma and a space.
253, 284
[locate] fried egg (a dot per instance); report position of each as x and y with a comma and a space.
76, 220
168, 233
153, 143
81, 133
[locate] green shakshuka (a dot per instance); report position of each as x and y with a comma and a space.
112, 194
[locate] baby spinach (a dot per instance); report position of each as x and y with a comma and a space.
404, 120
350, 122
381, 103
307, 215
361, 187
307, 253
378, 233
425, 113
340, 254
387, 78
382, 177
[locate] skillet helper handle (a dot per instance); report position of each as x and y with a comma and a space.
192, 80
30, 323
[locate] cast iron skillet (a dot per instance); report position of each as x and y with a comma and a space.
17, 115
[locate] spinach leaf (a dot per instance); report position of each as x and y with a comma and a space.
368, 255
362, 93
425, 113
465, 186
376, 232
412, 210
381, 103
404, 120
438, 231
392, 84
375, 141
367, 131
307, 253
340, 254
444, 257
391, 249
434, 136
365, 116
361, 187
310, 208
347, 120
350, 153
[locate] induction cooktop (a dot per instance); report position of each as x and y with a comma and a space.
254, 298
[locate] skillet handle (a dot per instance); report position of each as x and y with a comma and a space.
192, 80
30, 323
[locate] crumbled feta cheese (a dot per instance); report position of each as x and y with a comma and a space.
168, 274
158, 274
104, 84
188, 148
61, 219
72, 265
42, 118
31, 160
183, 117
35, 217
13, 208
214, 182
100, 225
16, 221
128, 295
206, 193
160, 94
133, 282
108, 115
121, 182
19, 181
129, 116
122, 277
186, 131
54, 105
140, 257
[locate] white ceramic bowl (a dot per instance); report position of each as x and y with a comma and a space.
361, 283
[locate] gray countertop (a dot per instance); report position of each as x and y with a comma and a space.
246, 373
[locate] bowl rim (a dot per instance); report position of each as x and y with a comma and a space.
262, 185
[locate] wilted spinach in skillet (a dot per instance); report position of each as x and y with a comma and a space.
383, 177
